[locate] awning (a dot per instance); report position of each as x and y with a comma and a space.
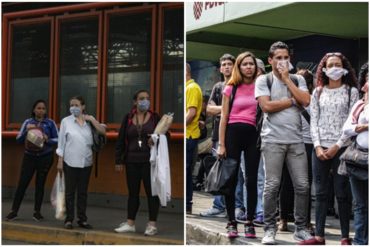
216, 28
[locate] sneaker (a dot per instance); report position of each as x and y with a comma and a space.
249, 231
346, 241
150, 230
258, 221
11, 216
68, 225
310, 229
269, 237
283, 225
302, 235
232, 230
125, 227
240, 215
213, 212
37, 216
312, 241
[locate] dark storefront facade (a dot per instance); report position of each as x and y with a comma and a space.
104, 52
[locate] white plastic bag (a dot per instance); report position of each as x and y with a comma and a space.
57, 197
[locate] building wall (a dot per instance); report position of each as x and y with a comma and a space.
108, 181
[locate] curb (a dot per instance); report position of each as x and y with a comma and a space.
204, 236
54, 235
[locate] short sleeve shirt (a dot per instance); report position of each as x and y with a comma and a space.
284, 127
194, 98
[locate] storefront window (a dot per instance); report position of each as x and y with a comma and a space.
78, 74
129, 61
30, 69
172, 86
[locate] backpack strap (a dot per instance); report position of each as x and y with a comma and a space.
232, 97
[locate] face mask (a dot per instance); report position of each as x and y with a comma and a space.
75, 111
283, 63
143, 105
335, 73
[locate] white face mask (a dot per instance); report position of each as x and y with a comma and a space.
335, 73
283, 63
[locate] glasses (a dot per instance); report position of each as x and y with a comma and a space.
334, 54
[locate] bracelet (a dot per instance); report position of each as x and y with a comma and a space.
293, 101
220, 144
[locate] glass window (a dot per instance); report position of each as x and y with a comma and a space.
30, 69
78, 74
172, 86
129, 60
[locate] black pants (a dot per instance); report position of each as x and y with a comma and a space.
30, 165
134, 174
243, 137
309, 148
76, 179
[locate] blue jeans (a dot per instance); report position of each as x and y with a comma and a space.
321, 171
360, 192
260, 186
191, 147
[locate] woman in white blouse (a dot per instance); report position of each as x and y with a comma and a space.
357, 125
76, 158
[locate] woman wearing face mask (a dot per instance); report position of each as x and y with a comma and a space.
331, 102
76, 158
133, 151
36, 159
357, 125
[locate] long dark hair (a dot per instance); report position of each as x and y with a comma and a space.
34, 106
362, 77
349, 79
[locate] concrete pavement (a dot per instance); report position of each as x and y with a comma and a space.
103, 219
203, 230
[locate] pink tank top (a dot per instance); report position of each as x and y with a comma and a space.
245, 105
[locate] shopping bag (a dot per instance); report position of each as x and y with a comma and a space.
164, 124
220, 177
57, 196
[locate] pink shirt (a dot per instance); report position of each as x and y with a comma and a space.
245, 105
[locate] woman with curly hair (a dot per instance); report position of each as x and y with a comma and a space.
331, 102
357, 125
238, 133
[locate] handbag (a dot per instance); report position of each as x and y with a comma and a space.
218, 181
34, 140
355, 156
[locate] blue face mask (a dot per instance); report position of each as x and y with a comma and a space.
75, 111
143, 105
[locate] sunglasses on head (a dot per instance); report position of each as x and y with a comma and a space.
334, 54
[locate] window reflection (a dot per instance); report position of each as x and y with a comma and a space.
172, 96
30, 63
129, 49
78, 63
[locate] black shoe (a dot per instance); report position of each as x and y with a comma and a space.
189, 210
68, 225
11, 216
37, 216
85, 225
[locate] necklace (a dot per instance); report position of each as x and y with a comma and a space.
139, 128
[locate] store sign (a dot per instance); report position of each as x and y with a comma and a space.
201, 14
198, 7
